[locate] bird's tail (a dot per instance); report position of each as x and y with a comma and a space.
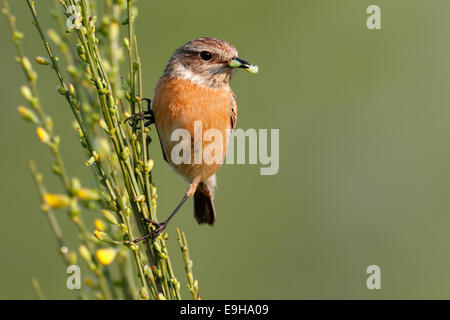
203, 204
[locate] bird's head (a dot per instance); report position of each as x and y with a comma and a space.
207, 61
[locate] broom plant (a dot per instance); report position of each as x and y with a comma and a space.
99, 74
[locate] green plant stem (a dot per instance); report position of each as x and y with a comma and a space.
54, 225
193, 287
73, 104
63, 175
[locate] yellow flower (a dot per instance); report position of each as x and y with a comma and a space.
56, 201
106, 256
99, 225
43, 135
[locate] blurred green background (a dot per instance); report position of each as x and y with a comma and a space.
364, 152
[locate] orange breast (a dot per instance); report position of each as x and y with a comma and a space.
177, 104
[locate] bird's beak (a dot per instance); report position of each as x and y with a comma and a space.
239, 63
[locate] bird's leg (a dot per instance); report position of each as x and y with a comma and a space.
161, 226
144, 115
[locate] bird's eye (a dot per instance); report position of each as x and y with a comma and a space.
205, 55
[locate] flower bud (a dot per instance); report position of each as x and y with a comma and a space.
149, 165
26, 92
43, 135
139, 198
103, 125
71, 90
53, 35
161, 296
62, 90
100, 235
81, 52
76, 185
87, 194
27, 66
74, 211
110, 217
27, 114
41, 60
126, 43
84, 252
175, 283
90, 161
18, 36
72, 257
124, 228
143, 293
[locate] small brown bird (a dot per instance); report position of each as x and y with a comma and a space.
195, 87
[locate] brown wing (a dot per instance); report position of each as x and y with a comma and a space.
233, 105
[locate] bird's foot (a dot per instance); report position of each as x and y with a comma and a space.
144, 115
159, 227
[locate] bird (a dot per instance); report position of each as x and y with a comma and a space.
195, 88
